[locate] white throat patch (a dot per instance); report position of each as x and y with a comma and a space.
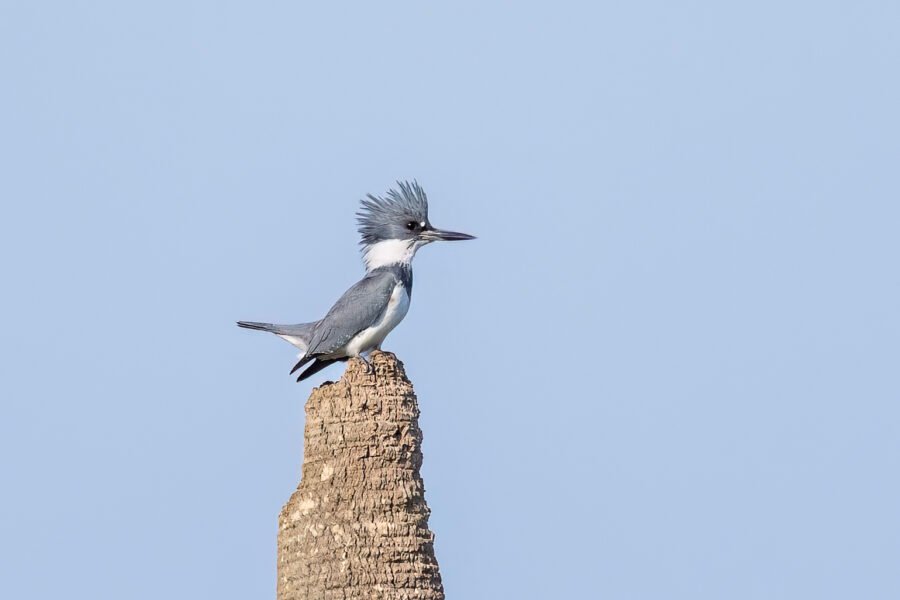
390, 252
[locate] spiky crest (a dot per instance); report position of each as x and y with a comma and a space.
385, 217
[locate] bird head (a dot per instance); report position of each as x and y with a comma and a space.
394, 226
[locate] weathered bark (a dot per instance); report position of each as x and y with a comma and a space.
357, 526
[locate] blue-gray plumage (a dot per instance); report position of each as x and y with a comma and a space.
393, 228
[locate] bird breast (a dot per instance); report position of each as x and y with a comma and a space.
367, 339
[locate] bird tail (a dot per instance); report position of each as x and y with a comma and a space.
298, 335
254, 325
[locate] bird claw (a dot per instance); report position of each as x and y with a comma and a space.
370, 368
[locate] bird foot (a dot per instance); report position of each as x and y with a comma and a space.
370, 368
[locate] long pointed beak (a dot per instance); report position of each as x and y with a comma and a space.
439, 235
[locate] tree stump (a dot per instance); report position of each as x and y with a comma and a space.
357, 526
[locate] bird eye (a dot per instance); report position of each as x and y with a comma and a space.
412, 225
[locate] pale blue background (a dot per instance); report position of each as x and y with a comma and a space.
668, 368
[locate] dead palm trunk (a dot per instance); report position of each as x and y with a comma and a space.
357, 526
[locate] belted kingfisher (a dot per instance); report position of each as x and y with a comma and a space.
393, 228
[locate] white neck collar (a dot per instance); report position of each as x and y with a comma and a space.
390, 252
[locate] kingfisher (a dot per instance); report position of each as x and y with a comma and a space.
392, 228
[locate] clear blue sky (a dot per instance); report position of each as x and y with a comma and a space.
668, 368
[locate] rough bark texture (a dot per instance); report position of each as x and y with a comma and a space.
357, 526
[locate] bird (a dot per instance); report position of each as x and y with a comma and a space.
392, 228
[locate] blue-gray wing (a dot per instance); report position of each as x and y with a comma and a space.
359, 308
